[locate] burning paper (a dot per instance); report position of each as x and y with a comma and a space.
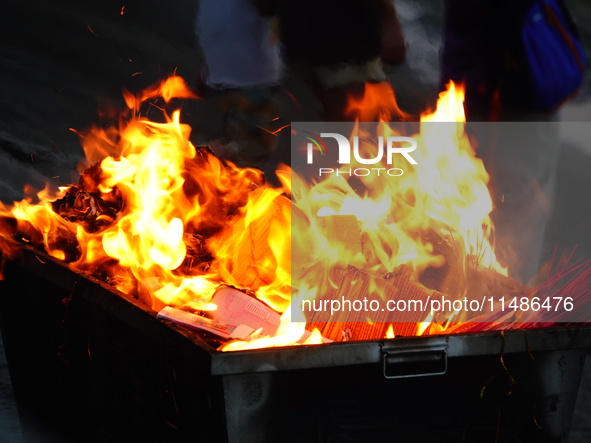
171, 224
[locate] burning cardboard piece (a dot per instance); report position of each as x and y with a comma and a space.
352, 303
355, 307
362, 306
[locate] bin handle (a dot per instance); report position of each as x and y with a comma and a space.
414, 362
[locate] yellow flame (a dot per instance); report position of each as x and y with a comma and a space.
167, 193
436, 213
390, 332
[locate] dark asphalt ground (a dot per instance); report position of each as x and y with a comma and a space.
63, 61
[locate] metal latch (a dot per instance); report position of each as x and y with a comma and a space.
419, 361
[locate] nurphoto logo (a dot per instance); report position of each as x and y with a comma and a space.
373, 153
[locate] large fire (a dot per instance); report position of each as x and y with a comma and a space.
169, 223
430, 227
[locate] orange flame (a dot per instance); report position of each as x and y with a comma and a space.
433, 215
169, 194
378, 103
147, 215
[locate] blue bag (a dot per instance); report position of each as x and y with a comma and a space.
553, 53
